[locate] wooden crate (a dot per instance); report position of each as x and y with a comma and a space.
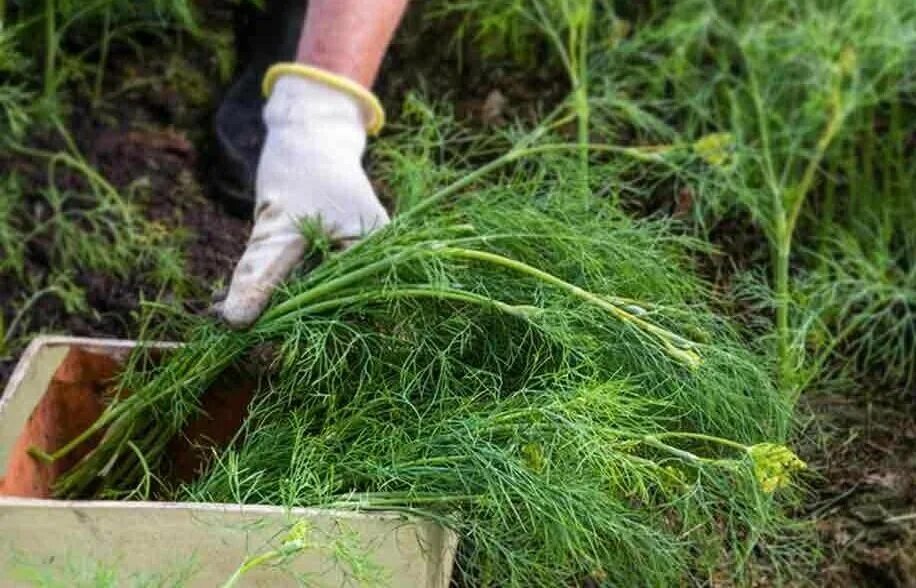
54, 393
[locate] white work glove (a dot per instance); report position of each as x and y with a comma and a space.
310, 168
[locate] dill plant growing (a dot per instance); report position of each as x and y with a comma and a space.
861, 287
564, 31
51, 21
536, 371
782, 84
88, 225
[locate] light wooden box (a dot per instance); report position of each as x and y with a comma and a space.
209, 541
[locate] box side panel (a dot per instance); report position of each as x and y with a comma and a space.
23, 391
210, 542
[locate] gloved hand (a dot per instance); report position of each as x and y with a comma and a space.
310, 168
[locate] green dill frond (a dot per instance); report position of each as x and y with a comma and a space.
542, 374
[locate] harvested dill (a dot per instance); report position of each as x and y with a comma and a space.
542, 374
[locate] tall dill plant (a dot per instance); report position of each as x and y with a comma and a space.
95, 227
860, 287
783, 85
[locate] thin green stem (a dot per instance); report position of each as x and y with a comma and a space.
763, 127
331, 286
788, 210
675, 345
581, 94
798, 194
701, 437
783, 301
51, 41
99, 424
253, 562
680, 453
103, 57
647, 154
381, 499
23, 310
400, 292
75, 162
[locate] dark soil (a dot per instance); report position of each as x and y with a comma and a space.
153, 135
862, 446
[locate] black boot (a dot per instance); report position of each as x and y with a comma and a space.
263, 37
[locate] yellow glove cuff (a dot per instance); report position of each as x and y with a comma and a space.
375, 115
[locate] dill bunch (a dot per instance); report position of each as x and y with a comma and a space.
540, 373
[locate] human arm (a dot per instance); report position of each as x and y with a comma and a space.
310, 167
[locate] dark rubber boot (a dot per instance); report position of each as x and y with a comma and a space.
263, 37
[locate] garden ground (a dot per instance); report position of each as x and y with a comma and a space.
861, 445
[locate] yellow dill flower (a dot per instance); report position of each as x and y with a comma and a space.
774, 465
533, 456
715, 148
847, 62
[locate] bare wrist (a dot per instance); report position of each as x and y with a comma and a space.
349, 37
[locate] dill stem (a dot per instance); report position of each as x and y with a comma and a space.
127, 469
299, 301
673, 344
373, 500
700, 437
581, 95
685, 455
103, 57
73, 161
251, 563
50, 49
798, 194
781, 269
416, 292
640, 153
148, 474
103, 420
788, 209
